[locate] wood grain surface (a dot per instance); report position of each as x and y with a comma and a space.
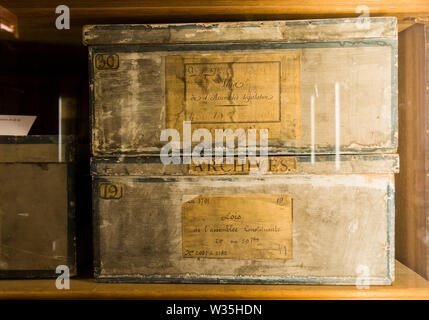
36, 19
408, 285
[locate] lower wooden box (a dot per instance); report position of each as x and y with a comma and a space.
318, 228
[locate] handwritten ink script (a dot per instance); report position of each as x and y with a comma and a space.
252, 226
232, 92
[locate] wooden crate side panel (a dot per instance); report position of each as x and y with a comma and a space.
34, 219
410, 202
342, 225
37, 209
134, 93
263, 31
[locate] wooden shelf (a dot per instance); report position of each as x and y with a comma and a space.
36, 20
408, 285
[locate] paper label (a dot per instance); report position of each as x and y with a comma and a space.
252, 226
231, 91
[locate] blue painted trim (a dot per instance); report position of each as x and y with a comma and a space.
390, 231
131, 48
394, 95
96, 224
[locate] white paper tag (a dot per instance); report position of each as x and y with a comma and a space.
15, 125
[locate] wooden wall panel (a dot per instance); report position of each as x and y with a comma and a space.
410, 194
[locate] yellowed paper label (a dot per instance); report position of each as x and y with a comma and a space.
236, 90
252, 226
230, 92
275, 165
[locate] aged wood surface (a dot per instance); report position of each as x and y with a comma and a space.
264, 31
411, 236
36, 18
33, 216
36, 206
152, 166
138, 89
342, 226
407, 285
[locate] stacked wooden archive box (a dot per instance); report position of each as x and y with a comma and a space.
324, 92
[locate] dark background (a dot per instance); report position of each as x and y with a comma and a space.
33, 77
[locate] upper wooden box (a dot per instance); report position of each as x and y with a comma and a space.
322, 86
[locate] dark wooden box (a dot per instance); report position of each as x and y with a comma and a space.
37, 206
